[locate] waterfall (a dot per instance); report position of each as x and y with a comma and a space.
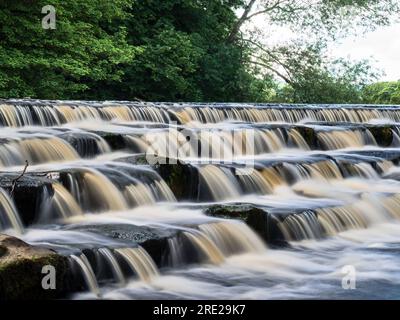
9, 216
140, 262
345, 139
142, 194
290, 115
205, 246
176, 254
216, 241
61, 205
260, 194
330, 221
116, 269
298, 140
92, 189
45, 150
233, 238
87, 273
255, 182
16, 115
37, 150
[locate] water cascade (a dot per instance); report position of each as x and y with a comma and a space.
9, 216
140, 262
265, 201
205, 246
87, 273
116, 269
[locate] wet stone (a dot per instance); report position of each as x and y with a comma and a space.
21, 270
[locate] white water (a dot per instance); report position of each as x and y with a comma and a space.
331, 189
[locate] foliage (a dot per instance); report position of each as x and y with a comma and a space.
185, 55
382, 93
184, 50
64, 62
301, 60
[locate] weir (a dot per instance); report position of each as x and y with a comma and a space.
317, 173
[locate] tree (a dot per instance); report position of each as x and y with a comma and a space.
185, 56
86, 48
313, 78
382, 93
300, 60
184, 50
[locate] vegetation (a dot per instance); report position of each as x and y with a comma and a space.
382, 93
188, 50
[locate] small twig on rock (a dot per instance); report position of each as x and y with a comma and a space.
14, 182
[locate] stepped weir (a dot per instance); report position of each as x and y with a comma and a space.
175, 200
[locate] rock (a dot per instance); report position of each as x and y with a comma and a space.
154, 240
21, 270
182, 178
116, 141
85, 144
386, 154
3, 251
139, 159
310, 136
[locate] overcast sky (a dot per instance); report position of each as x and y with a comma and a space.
383, 45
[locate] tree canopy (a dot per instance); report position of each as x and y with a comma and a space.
185, 50
382, 93
87, 46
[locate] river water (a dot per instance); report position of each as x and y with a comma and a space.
327, 178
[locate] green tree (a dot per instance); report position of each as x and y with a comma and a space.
85, 50
312, 78
382, 93
184, 50
185, 55
300, 60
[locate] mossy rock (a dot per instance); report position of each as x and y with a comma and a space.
21, 268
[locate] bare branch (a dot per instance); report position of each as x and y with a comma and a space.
14, 182
274, 58
279, 74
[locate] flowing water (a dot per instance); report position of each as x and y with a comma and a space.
322, 184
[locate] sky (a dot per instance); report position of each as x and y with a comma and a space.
383, 45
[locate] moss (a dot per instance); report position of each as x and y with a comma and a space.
141, 159
21, 279
176, 179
